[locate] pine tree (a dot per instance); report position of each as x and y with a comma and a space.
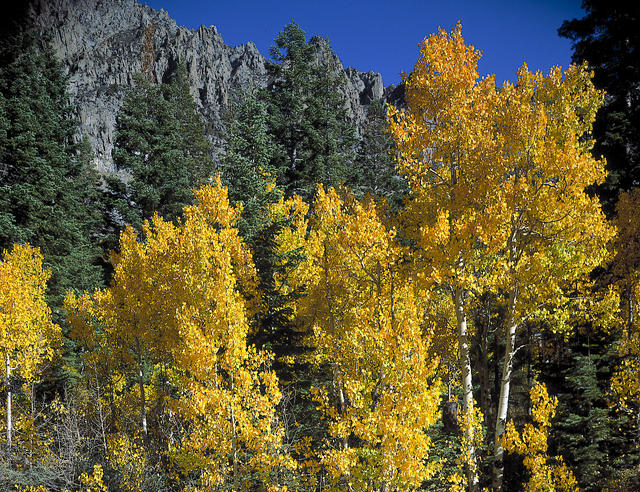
374, 169
247, 165
589, 434
307, 113
196, 147
162, 152
46, 186
608, 39
248, 172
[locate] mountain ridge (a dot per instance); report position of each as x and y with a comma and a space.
100, 44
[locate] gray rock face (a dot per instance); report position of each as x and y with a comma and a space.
100, 43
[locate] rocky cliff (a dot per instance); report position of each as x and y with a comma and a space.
100, 43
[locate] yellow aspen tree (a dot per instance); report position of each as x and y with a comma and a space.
368, 330
119, 323
449, 155
498, 180
176, 300
107, 365
232, 392
545, 473
92, 482
555, 233
27, 333
128, 459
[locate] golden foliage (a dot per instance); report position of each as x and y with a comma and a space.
93, 482
470, 423
625, 382
176, 301
545, 474
368, 329
27, 334
499, 203
499, 175
128, 458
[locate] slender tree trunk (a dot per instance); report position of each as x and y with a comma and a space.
467, 384
335, 373
483, 366
143, 399
505, 386
337, 388
294, 156
33, 423
630, 307
234, 440
100, 410
9, 416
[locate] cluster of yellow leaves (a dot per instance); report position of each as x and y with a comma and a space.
33, 439
545, 474
128, 458
557, 231
27, 334
471, 420
448, 153
368, 330
176, 301
93, 482
499, 175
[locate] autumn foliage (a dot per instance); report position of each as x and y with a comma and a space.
176, 367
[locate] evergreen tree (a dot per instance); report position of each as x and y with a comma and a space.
596, 441
46, 186
247, 167
374, 169
248, 172
162, 151
307, 113
195, 146
603, 442
608, 38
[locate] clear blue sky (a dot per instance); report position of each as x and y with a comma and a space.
383, 36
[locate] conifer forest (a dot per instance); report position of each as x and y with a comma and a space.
445, 297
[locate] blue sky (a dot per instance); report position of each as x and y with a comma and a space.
383, 36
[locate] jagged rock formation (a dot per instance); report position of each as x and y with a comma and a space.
100, 43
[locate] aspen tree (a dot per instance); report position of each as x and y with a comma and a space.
498, 181
27, 333
545, 473
555, 232
625, 382
367, 322
447, 153
176, 302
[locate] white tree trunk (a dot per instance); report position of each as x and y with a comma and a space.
505, 386
9, 416
234, 439
467, 383
143, 398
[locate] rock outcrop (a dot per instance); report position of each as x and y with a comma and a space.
100, 43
